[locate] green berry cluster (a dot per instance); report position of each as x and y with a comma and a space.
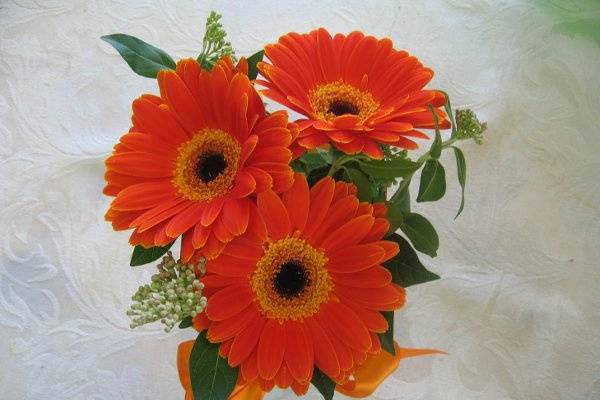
468, 126
174, 294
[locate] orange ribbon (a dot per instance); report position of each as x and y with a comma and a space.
376, 368
367, 377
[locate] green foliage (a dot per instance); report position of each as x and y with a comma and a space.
214, 43
253, 61
211, 376
389, 169
143, 58
421, 233
432, 186
323, 383
461, 169
468, 126
361, 181
186, 322
142, 255
406, 268
387, 338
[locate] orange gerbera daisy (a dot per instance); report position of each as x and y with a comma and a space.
193, 157
355, 91
305, 289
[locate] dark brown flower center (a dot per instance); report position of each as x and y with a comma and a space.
291, 279
341, 107
210, 166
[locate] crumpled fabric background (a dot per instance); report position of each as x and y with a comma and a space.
517, 309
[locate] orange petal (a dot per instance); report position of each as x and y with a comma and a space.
274, 214
235, 216
299, 355
350, 233
348, 327
271, 347
297, 201
325, 356
244, 344
355, 258
228, 302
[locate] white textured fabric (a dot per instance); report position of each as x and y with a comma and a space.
517, 309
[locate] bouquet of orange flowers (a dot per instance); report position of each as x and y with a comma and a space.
289, 266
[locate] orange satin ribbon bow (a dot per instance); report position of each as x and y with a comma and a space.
366, 378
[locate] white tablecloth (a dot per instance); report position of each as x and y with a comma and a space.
518, 308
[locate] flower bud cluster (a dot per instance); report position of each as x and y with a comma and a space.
468, 126
174, 294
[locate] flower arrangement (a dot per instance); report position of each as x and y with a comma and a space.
289, 266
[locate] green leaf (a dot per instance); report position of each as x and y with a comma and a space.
212, 377
461, 169
421, 233
186, 322
387, 338
361, 181
142, 255
433, 182
436, 146
313, 160
400, 167
323, 383
253, 61
395, 217
143, 58
406, 268
316, 175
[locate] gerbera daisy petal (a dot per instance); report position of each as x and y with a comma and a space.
236, 214
324, 351
227, 302
180, 100
278, 221
296, 201
350, 233
271, 347
298, 351
351, 329
369, 278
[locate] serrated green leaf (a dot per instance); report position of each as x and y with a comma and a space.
436, 147
389, 169
421, 233
142, 255
461, 170
323, 383
313, 160
433, 182
253, 61
211, 376
406, 268
186, 322
361, 181
387, 338
143, 58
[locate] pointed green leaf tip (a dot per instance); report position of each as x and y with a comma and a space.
142, 255
406, 268
253, 61
461, 169
387, 338
143, 58
211, 376
323, 383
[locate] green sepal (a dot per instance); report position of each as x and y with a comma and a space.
421, 233
448, 108
436, 147
142, 255
211, 376
323, 383
186, 322
461, 170
253, 61
432, 186
406, 268
143, 58
387, 338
